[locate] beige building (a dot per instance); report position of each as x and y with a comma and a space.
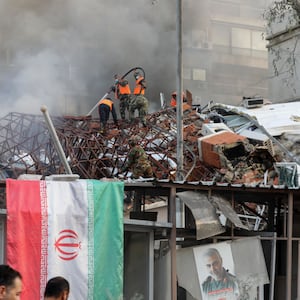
224, 54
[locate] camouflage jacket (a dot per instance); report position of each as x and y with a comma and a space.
137, 158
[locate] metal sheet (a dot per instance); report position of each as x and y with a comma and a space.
204, 213
224, 206
275, 118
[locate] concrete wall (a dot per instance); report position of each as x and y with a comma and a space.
284, 66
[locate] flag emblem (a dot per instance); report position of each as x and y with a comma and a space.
67, 244
79, 238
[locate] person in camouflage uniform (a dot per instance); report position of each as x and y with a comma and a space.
137, 160
138, 100
140, 103
122, 93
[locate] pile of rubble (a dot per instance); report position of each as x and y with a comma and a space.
213, 150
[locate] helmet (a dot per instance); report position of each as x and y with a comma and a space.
133, 140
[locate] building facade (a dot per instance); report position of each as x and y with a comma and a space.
225, 55
283, 35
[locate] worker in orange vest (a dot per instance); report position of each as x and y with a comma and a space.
122, 93
173, 101
138, 101
140, 84
106, 106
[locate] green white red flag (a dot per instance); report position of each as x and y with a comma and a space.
71, 229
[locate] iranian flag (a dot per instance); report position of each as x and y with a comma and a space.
72, 229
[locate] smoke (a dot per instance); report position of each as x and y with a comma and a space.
64, 53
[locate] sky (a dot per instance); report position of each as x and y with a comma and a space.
63, 54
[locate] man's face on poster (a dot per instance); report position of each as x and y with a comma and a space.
214, 266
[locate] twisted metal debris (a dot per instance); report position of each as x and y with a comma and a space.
26, 146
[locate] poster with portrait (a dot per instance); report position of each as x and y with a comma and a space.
231, 270
216, 272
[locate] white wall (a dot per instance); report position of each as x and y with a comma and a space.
285, 84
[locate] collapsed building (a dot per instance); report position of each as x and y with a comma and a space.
220, 145
239, 180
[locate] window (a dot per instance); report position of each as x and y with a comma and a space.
241, 38
199, 74
186, 73
221, 35
248, 39
258, 42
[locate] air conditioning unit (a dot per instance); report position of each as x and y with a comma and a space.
253, 102
289, 173
211, 128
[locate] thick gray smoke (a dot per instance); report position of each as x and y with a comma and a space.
64, 53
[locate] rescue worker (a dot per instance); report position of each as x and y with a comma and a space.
140, 84
106, 106
137, 160
173, 101
122, 93
138, 101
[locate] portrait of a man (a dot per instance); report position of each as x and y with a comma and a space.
219, 284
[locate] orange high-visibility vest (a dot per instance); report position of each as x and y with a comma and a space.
107, 102
139, 89
173, 102
122, 90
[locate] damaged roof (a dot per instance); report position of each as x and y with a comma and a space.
26, 146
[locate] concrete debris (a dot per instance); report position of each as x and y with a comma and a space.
211, 153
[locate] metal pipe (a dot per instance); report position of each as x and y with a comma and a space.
284, 220
273, 266
54, 136
232, 205
172, 205
289, 248
151, 265
298, 272
90, 112
162, 100
179, 121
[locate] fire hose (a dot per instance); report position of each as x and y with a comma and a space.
110, 90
